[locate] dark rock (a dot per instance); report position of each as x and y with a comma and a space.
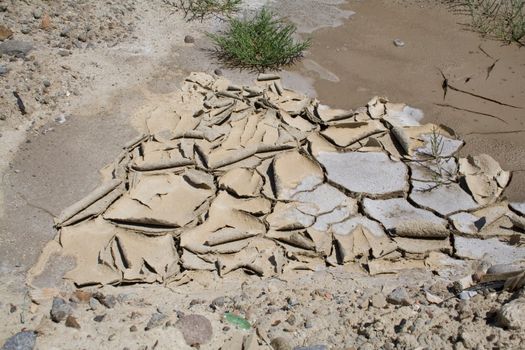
218, 72
99, 318
94, 304
72, 322
15, 48
108, 301
188, 39
280, 343
46, 83
196, 329
218, 302
399, 296
156, 320
3, 70
60, 310
21, 341
133, 328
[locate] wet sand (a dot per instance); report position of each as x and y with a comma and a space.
358, 60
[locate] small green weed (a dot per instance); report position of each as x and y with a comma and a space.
261, 43
201, 9
501, 19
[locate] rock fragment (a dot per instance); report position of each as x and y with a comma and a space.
399, 296
15, 48
25, 340
196, 329
60, 309
512, 314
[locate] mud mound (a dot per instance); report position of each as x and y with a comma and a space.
267, 180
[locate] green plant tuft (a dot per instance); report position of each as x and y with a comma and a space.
201, 9
260, 43
500, 19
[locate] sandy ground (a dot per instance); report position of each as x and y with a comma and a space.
47, 165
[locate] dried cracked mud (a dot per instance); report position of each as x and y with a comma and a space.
238, 211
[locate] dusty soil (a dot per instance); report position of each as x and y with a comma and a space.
87, 93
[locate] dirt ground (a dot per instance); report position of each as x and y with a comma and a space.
98, 71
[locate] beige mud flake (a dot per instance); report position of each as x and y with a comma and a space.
327, 114
346, 134
84, 242
377, 107
422, 141
399, 114
164, 200
288, 216
143, 258
317, 144
485, 178
242, 182
293, 172
403, 219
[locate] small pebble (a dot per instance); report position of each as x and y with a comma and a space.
218, 72
188, 39
399, 43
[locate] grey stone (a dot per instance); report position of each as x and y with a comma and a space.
368, 172
196, 329
25, 30
399, 296
156, 320
15, 48
46, 83
311, 347
188, 39
3, 70
20, 341
403, 219
218, 72
512, 314
94, 304
491, 250
37, 13
60, 309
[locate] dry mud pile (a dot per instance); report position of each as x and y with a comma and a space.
266, 180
